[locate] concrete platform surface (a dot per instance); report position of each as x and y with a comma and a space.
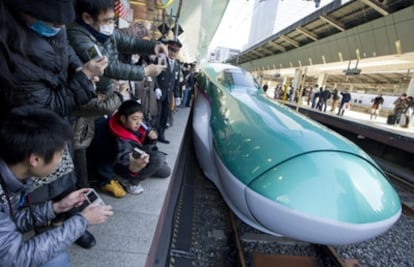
125, 239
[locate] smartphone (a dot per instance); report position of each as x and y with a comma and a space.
136, 153
93, 198
93, 52
162, 59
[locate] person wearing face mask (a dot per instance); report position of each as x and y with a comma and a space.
39, 67
95, 25
37, 64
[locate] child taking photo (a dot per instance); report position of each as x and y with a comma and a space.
137, 158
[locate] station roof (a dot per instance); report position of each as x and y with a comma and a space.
332, 19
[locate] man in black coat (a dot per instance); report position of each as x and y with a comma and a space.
167, 87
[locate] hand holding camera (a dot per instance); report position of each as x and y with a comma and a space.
92, 197
96, 214
139, 154
97, 63
139, 159
162, 59
96, 211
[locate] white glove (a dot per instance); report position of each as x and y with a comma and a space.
178, 101
158, 93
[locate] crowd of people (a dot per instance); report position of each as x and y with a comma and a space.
76, 103
318, 97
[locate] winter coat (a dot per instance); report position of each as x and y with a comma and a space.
81, 39
400, 104
126, 141
169, 82
346, 97
46, 76
14, 249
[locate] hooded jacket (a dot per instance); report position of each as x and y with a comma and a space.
16, 220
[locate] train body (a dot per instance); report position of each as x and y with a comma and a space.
281, 172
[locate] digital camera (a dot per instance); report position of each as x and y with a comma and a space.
93, 198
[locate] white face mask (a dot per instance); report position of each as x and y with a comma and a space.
107, 29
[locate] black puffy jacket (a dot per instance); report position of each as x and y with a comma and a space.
46, 76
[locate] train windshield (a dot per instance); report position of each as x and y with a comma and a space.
237, 78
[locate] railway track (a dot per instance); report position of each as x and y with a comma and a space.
405, 190
324, 255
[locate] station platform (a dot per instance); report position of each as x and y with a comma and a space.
379, 122
364, 118
126, 238
360, 124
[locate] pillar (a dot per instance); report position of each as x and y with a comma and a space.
410, 88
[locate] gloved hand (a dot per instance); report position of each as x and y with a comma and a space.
158, 93
177, 101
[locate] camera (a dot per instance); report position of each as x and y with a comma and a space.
136, 153
93, 52
93, 198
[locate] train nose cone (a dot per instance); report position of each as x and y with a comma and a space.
325, 197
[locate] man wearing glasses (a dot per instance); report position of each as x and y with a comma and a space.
95, 27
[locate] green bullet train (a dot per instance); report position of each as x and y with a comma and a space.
281, 172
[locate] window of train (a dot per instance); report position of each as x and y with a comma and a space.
238, 79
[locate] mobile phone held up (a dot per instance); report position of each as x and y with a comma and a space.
93, 52
93, 198
162, 59
136, 153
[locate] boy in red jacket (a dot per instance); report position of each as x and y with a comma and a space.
137, 157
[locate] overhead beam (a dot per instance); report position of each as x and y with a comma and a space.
333, 22
380, 8
307, 33
267, 51
255, 52
275, 45
289, 40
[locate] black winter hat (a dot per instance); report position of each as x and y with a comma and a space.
55, 11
